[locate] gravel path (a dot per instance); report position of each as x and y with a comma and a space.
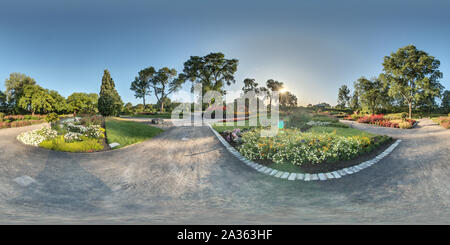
185, 176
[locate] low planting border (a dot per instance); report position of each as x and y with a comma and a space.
301, 176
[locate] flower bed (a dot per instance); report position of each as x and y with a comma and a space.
69, 134
298, 148
13, 121
443, 121
380, 120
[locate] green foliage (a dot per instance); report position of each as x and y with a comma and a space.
3, 102
109, 102
36, 99
164, 83
85, 145
52, 117
141, 83
82, 103
250, 85
343, 96
213, 71
412, 75
129, 132
445, 104
354, 101
15, 85
370, 93
287, 99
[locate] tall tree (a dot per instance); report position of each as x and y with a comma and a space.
273, 86
343, 96
287, 99
15, 85
141, 83
354, 101
445, 104
60, 103
212, 71
250, 85
369, 93
412, 73
3, 102
164, 83
83, 103
109, 101
36, 99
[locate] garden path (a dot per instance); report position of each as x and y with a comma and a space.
167, 180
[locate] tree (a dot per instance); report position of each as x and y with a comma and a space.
412, 73
3, 102
164, 83
15, 85
369, 92
287, 99
354, 101
141, 83
212, 71
36, 99
250, 85
273, 86
109, 101
60, 104
343, 96
445, 104
82, 102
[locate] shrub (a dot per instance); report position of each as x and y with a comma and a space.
35, 137
298, 148
404, 115
2, 115
405, 125
85, 145
52, 117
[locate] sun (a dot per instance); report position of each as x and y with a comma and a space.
283, 90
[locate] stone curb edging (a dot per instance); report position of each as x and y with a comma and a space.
300, 176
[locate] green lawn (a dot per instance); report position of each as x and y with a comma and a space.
128, 132
163, 115
348, 132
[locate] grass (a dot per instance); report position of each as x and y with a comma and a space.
128, 132
347, 132
221, 127
162, 115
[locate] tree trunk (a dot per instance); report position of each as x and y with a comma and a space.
162, 107
410, 109
143, 100
32, 112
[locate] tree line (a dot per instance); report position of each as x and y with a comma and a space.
410, 80
213, 71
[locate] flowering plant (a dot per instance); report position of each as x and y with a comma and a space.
35, 137
298, 148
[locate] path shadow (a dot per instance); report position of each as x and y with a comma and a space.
63, 185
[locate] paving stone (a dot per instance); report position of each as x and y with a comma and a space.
314, 177
322, 176
300, 176
262, 169
258, 166
285, 175
273, 172
292, 176
278, 175
307, 177
329, 176
336, 174
268, 170
348, 170
342, 172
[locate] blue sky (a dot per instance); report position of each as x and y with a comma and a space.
311, 46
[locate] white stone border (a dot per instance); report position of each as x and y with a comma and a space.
300, 176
